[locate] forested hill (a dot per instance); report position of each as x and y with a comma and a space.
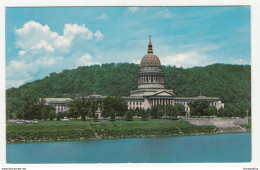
231, 83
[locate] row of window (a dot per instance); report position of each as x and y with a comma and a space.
134, 103
149, 68
59, 110
152, 78
58, 106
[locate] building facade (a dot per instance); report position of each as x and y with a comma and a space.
150, 90
59, 104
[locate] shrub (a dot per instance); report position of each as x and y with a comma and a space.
128, 116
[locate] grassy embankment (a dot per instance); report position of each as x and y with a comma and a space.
77, 129
248, 126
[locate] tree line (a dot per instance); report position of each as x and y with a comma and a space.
113, 107
231, 83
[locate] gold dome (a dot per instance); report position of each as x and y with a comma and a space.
150, 59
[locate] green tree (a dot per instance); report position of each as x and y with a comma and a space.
73, 111
228, 111
155, 112
112, 115
137, 112
93, 104
128, 116
170, 111
114, 106
211, 111
82, 107
14, 107
144, 115
221, 112
51, 115
179, 110
59, 116
161, 111
31, 110
148, 111
231, 83
198, 107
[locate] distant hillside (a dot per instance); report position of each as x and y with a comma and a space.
231, 83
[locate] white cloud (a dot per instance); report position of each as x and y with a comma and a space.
17, 82
165, 14
186, 60
72, 30
33, 36
23, 71
99, 35
20, 66
21, 53
42, 51
43, 45
133, 9
45, 61
62, 43
37, 38
20, 70
239, 62
85, 60
136, 61
102, 16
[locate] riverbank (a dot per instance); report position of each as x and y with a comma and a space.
103, 129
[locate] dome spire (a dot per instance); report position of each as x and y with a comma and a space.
150, 46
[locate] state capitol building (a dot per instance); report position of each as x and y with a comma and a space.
150, 90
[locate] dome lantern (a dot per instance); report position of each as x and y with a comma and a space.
150, 46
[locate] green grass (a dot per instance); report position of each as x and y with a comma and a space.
77, 129
248, 126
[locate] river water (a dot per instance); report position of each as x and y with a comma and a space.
188, 149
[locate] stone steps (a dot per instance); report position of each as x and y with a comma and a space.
234, 129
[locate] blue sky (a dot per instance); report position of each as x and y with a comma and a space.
44, 40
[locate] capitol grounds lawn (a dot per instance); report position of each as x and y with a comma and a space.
104, 129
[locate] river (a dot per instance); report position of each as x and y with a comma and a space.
187, 149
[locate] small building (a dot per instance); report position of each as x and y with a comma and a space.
60, 104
